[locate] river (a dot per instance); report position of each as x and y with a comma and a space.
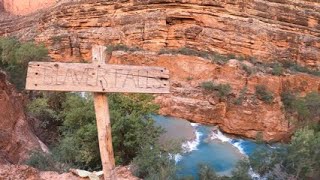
204, 144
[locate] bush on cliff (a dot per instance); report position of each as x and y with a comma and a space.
14, 58
264, 94
223, 89
305, 109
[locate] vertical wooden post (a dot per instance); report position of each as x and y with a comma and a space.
99, 56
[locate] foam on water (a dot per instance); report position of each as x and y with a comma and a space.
239, 146
177, 157
194, 124
254, 175
217, 134
193, 144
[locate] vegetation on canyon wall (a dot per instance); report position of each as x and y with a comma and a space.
135, 136
14, 58
275, 67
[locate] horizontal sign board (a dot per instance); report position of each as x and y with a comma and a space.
52, 76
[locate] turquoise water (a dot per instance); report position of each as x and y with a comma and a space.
221, 156
221, 153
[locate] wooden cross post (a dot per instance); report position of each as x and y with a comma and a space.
99, 78
103, 120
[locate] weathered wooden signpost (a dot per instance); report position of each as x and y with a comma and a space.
99, 78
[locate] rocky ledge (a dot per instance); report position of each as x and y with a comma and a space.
262, 30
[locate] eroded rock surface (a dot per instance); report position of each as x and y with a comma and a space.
188, 100
16, 137
22, 172
24, 7
267, 30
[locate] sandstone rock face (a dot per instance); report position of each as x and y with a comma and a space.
267, 30
21, 172
16, 137
1, 6
188, 100
23, 7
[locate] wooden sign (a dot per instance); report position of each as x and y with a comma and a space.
53, 76
99, 78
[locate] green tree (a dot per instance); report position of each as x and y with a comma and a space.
207, 173
264, 94
223, 89
14, 58
300, 159
40, 109
241, 171
132, 129
154, 163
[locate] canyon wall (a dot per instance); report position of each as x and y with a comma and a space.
190, 101
261, 30
1, 6
17, 138
24, 7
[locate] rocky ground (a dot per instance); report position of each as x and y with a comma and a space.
262, 31
22, 172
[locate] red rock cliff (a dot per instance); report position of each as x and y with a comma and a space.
24, 7
265, 29
16, 137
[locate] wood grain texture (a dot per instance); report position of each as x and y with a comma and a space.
97, 77
103, 121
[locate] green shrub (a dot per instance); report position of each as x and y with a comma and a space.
15, 56
248, 70
242, 95
122, 47
40, 109
208, 86
41, 161
154, 163
300, 159
288, 99
214, 57
298, 68
207, 173
264, 94
189, 78
277, 69
132, 129
307, 108
241, 171
223, 89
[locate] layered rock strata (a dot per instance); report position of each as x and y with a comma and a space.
264, 29
22, 172
190, 101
